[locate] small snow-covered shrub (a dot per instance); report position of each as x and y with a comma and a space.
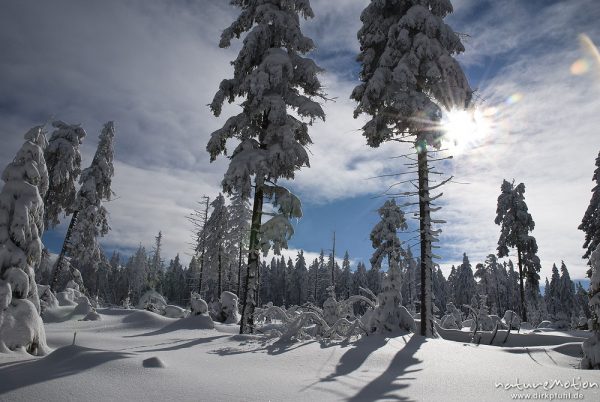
229, 308
453, 317
389, 315
47, 298
448, 322
525, 325
511, 319
152, 301
545, 324
197, 305
562, 321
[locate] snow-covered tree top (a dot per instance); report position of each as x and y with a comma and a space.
272, 76
408, 70
384, 235
21, 204
64, 167
590, 223
515, 220
96, 180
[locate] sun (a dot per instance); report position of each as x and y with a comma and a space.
465, 129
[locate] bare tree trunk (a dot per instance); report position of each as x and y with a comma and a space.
220, 282
521, 286
247, 320
63, 252
333, 262
239, 273
203, 245
425, 229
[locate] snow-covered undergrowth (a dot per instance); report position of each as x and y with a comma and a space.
140, 355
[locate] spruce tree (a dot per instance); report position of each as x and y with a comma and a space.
90, 218
239, 232
408, 75
63, 160
21, 227
567, 293
553, 294
345, 282
465, 285
217, 236
274, 78
299, 288
516, 223
384, 236
590, 224
591, 346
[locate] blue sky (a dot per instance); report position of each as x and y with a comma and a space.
152, 67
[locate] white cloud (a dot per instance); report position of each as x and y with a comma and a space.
154, 66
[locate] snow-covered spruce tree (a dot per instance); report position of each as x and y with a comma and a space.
239, 232
389, 315
21, 226
590, 224
567, 293
591, 346
384, 236
90, 217
63, 161
299, 284
156, 265
345, 283
465, 287
551, 294
273, 77
216, 244
515, 224
409, 74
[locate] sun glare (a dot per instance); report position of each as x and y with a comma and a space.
466, 129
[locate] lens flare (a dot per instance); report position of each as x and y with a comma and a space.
466, 129
514, 98
580, 67
591, 58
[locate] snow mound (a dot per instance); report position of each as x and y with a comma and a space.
226, 309
144, 319
193, 322
198, 305
154, 362
174, 311
21, 328
92, 316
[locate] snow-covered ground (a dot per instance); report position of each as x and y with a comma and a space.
138, 355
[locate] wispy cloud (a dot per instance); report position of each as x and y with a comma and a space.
154, 66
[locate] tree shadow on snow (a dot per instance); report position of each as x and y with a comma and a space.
198, 322
386, 385
189, 344
63, 362
276, 348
